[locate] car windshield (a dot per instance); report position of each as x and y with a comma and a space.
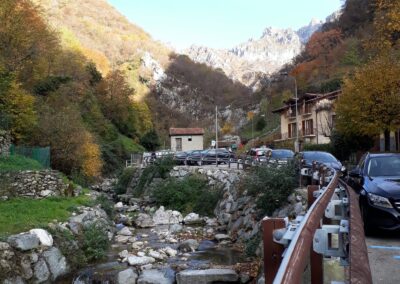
319, 157
384, 166
282, 154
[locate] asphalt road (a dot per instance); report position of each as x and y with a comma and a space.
384, 257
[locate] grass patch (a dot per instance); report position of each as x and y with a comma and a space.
19, 215
15, 163
129, 145
191, 194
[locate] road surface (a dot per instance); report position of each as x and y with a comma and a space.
384, 257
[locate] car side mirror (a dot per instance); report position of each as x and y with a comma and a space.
356, 173
344, 170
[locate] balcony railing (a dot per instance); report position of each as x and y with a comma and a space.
302, 133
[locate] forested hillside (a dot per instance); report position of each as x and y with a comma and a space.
52, 95
182, 93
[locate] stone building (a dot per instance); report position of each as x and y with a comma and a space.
184, 139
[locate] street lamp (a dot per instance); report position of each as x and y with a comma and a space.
296, 143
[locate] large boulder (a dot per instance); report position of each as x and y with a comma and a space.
25, 241
206, 276
57, 263
41, 271
127, 276
144, 221
153, 276
166, 217
44, 237
193, 218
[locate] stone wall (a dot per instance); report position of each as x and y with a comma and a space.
5, 143
31, 184
34, 257
237, 211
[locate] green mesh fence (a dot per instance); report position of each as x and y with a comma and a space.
40, 154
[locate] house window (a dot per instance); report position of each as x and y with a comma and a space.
308, 127
190, 139
333, 121
292, 130
307, 108
178, 144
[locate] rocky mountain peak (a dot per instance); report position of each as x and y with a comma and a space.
265, 55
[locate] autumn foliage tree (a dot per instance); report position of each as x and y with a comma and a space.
370, 103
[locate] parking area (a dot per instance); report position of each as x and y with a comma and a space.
384, 257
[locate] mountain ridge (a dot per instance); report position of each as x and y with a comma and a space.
247, 62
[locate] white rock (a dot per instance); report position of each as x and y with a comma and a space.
140, 253
170, 251
140, 260
192, 218
137, 245
156, 255
123, 254
222, 237
124, 232
44, 237
119, 205
165, 217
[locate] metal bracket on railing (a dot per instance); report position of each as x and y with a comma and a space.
331, 241
285, 235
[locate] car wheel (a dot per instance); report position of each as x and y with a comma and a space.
364, 215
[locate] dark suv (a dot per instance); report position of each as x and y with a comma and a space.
377, 179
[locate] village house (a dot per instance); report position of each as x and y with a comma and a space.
315, 115
184, 139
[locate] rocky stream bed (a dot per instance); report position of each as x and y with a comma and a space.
165, 247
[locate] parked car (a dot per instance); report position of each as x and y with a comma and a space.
181, 157
256, 156
194, 157
307, 158
377, 179
281, 156
164, 153
222, 155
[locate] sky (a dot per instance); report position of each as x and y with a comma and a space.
220, 23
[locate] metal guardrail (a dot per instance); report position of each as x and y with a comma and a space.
290, 247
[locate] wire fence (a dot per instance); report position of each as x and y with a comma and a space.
40, 154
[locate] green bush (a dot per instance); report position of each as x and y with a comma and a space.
95, 242
123, 180
271, 186
69, 247
106, 204
160, 169
190, 194
251, 245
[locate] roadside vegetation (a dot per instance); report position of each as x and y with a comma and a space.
271, 186
190, 194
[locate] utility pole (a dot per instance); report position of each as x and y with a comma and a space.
296, 145
216, 135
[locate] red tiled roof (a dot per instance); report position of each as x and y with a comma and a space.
186, 131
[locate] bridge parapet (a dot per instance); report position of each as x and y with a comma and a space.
332, 228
